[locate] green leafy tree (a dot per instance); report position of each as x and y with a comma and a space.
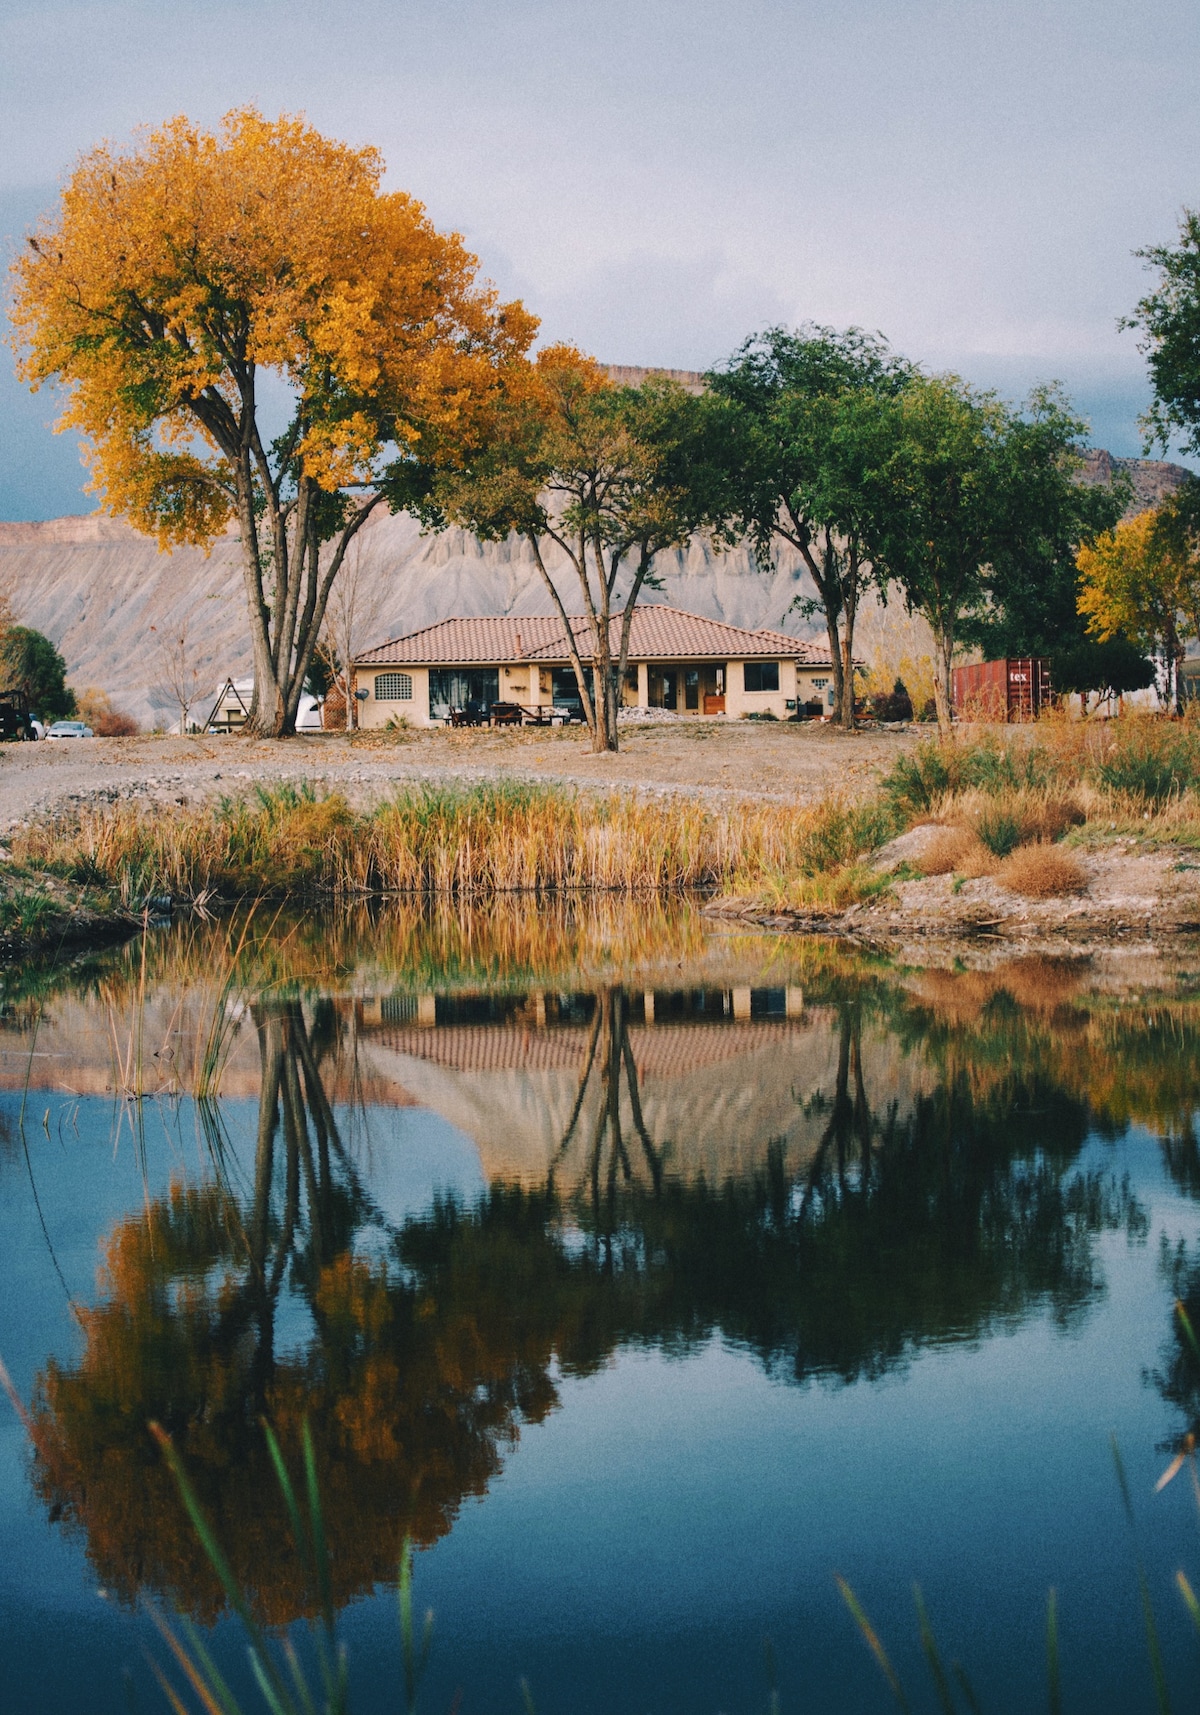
30, 663
607, 477
1032, 585
1112, 669
812, 425
974, 499
1169, 318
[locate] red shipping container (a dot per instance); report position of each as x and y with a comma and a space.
1014, 690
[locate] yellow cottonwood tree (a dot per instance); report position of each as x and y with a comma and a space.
175, 275
1141, 580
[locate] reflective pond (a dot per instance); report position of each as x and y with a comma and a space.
644, 1277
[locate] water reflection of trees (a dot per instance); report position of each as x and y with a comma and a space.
418, 1351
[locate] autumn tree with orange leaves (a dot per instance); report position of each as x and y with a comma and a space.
177, 278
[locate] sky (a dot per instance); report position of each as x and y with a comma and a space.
660, 178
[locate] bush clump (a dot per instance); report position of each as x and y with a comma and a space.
893, 705
1042, 871
1149, 770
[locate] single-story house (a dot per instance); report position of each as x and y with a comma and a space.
677, 661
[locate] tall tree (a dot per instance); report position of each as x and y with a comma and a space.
811, 416
31, 664
974, 499
1169, 318
175, 277
1142, 581
607, 477
1030, 603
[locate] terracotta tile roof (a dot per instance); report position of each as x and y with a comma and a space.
658, 633
663, 1051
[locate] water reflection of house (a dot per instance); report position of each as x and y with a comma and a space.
677, 661
717, 1075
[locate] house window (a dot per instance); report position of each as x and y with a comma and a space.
566, 688
393, 687
820, 684
761, 675
474, 689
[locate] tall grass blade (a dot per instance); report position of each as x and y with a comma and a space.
298, 1679
873, 1642
965, 1686
415, 1656
264, 1669
167, 1689
208, 1667
1161, 1694
191, 1671
1122, 1483
1053, 1678
941, 1684
1189, 1598
303, 1541
317, 1525
203, 1529
277, 1704
772, 1677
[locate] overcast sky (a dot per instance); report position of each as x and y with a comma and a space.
659, 179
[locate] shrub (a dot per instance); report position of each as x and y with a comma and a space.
1150, 771
999, 829
1042, 871
95, 707
893, 705
996, 768
916, 782
949, 851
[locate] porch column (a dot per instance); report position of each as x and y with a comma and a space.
643, 694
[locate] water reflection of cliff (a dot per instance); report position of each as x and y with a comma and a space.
830, 1181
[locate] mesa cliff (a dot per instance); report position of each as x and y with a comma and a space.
112, 602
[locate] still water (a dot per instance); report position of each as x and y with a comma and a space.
643, 1277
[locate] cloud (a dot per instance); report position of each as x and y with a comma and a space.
682, 312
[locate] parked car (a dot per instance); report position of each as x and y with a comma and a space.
69, 729
39, 730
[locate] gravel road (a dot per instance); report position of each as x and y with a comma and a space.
740, 761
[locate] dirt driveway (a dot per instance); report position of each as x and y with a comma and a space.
740, 760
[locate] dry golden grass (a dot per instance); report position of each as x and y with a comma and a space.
1042, 871
468, 842
949, 851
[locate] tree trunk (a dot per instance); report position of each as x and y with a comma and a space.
604, 735
943, 653
849, 610
832, 614
267, 707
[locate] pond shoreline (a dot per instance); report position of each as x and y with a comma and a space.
1134, 891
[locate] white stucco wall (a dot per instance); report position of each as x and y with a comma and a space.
375, 711
740, 702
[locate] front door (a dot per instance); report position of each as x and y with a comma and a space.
704, 689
